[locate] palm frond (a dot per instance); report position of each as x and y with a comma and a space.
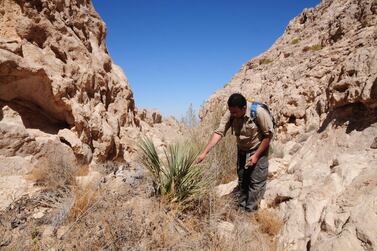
150, 158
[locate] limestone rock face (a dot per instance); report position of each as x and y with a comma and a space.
149, 116
20, 150
61, 96
326, 60
326, 191
165, 132
55, 71
320, 81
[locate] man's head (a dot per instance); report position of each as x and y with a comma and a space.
237, 105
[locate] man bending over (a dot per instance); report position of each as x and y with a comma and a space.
253, 134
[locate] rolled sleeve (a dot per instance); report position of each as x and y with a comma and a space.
264, 122
224, 124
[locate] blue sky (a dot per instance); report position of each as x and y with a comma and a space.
177, 52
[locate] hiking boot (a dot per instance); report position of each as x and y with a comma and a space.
242, 204
250, 210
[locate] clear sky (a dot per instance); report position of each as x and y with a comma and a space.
177, 52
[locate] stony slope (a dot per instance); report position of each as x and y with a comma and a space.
325, 60
320, 80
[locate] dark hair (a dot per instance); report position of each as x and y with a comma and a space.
236, 100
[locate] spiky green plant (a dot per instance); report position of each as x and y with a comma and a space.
151, 161
178, 178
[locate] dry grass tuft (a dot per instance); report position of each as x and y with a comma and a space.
222, 158
269, 223
84, 198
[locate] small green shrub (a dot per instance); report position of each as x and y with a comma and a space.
265, 61
178, 178
296, 41
315, 47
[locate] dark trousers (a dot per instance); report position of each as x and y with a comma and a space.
251, 180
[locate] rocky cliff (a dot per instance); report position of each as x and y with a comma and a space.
60, 92
324, 62
55, 71
320, 81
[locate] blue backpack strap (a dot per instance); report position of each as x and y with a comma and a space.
253, 109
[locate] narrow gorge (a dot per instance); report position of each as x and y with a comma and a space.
66, 109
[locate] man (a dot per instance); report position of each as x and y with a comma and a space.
253, 139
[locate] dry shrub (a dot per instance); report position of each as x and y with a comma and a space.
207, 234
53, 172
222, 158
84, 198
269, 223
245, 236
119, 222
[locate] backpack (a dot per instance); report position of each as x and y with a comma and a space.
253, 111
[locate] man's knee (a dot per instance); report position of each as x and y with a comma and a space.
258, 186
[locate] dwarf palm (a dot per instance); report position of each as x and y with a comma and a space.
178, 178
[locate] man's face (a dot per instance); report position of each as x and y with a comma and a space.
237, 112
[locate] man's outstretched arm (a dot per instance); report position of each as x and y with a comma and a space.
212, 142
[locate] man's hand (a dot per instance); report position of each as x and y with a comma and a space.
252, 160
212, 142
262, 147
201, 157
